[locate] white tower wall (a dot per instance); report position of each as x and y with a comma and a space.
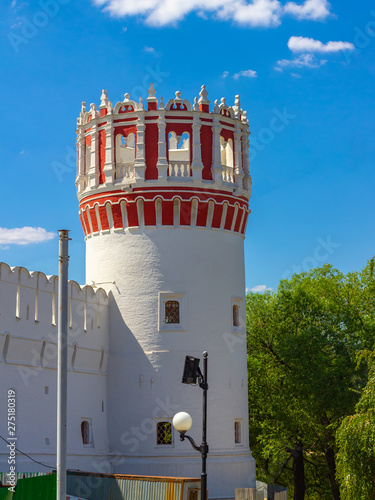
162, 226
144, 382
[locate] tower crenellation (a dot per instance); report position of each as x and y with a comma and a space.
192, 152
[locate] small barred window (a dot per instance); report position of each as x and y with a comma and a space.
172, 311
236, 315
237, 432
164, 433
85, 432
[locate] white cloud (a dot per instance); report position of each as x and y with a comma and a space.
17, 6
259, 289
253, 13
17, 24
150, 50
316, 10
225, 74
24, 235
265, 13
304, 60
304, 44
295, 75
248, 73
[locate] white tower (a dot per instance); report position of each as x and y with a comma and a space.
163, 198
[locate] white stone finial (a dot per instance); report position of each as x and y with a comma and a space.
216, 106
161, 103
126, 97
151, 91
104, 99
110, 108
223, 106
237, 107
244, 117
196, 104
140, 105
203, 96
93, 111
83, 111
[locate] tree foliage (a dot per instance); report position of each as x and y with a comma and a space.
303, 341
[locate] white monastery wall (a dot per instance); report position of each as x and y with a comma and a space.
28, 365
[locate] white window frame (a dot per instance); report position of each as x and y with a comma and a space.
172, 327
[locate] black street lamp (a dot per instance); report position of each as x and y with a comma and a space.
182, 421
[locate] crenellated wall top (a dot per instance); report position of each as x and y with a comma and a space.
20, 276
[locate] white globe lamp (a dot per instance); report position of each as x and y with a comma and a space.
182, 422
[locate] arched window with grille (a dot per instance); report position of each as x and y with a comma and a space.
163, 433
172, 311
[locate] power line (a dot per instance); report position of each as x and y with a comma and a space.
28, 456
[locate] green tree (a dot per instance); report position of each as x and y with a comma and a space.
356, 444
303, 377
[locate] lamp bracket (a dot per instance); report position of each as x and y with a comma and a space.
192, 442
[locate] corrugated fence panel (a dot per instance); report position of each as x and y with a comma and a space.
281, 495
91, 486
20, 475
5, 494
116, 487
36, 488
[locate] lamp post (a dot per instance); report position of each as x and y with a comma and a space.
62, 364
182, 421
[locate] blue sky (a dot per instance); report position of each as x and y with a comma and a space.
310, 104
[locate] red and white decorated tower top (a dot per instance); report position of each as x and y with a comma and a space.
195, 161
